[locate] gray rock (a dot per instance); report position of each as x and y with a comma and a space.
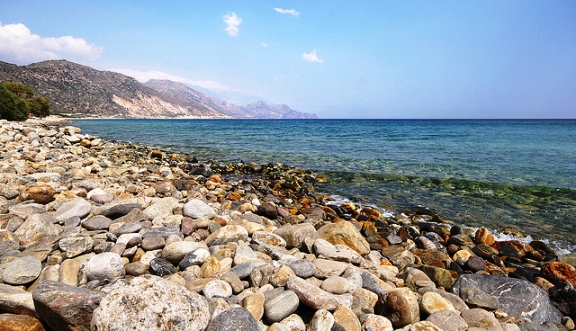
116, 209
198, 209
161, 207
226, 234
151, 303
127, 228
22, 270
34, 225
294, 235
303, 268
195, 257
152, 243
98, 222
518, 298
65, 307
370, 284
243, 270
161, 267
77, 207
104, 266
281, 306
234, 319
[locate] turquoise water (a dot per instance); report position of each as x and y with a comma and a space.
504, 174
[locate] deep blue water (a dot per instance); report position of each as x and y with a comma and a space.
504, 174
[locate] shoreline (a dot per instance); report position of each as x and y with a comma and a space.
105, 217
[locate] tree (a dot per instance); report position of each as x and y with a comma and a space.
17, 101
12, 107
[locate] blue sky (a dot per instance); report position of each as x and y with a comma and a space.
338, 59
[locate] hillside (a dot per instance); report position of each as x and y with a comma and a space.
81, 91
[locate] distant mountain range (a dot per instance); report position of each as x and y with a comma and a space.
80, 91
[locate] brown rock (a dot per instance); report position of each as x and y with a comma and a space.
483, 236
345, 233
42, 193
440, 276
10, 322
557, 272
400, 307
346, 318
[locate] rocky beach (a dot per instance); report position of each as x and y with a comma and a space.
104, 235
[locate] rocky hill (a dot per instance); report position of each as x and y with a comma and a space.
182, 93
81, 91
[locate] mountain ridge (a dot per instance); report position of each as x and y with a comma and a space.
80, 91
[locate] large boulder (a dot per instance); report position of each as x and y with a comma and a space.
518, 298
345, 233
151, 303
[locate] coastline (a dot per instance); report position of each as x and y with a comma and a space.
163, 217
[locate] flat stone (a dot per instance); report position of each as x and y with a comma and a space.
432, 302
326, 250
35, 225
198, 209
68, 272
22, 270
303, 268
254, 303
152, 243
136, 268
130, 239
232, 320
268, 238
65, 307
151, 303
335, 285
226, 234
311, 295
327, 268
176, 251
281, 306
41, 193
127, 228
77, 207
98, 222
363, 302
161, 207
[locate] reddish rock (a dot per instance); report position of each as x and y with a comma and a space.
42, 193
483, 236
10, 322
557, 272
188, 226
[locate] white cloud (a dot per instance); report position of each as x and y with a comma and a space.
19, 45
144, 76
312, 57
232, 22
264, 44
287, 11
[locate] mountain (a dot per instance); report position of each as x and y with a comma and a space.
81, 91
259, 109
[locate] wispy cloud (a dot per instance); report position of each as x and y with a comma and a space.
264, 44
19, 45
312, 57
232, 22
287, 11
144, 76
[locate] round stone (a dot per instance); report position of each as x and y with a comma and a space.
281, 306
232, 320
105, 266
217, 288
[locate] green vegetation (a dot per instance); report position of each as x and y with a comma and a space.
17, 102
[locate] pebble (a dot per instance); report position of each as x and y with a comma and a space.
92, 232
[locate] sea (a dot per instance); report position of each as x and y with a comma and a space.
515, 177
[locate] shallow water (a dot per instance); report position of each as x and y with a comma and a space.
503, 174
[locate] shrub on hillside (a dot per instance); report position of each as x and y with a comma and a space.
17, 102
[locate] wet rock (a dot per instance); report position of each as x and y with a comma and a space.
518, 298
557, 272
233, 319
483, 236
151, 303
22, 270
346, 234
268, 210
475, 264
563, 297
65, 307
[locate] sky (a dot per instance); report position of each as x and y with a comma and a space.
338, 59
